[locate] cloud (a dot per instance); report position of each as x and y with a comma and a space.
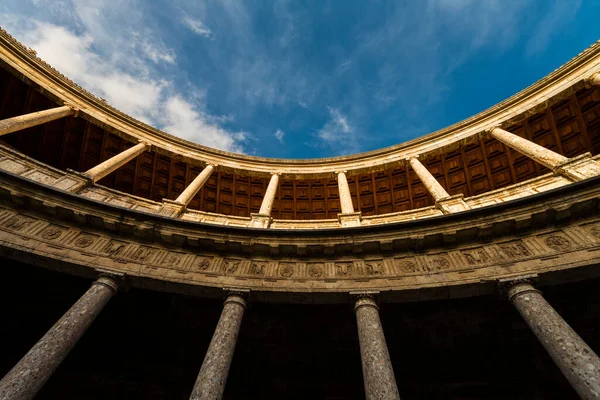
279, 135
196, 26
125, 75
338, 134
558, 14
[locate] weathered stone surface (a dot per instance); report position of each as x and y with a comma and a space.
37, 118
36, 367
576, 360
215, 367
378, 374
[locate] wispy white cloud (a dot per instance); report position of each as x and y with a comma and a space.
338, 134
559, 13
279, 134
196, 26
127, 73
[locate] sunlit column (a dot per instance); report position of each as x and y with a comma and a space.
540, 154
431, 184
113, 163
344, 192
36, 118
267, 203
193, 188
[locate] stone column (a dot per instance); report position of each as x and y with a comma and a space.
263, 218
446, 203
267, 203
344, 191
378, 374
540, 154
193, 188
576, 360
31, 373
114, 163
594, 79
36, 118
431, 184
212, 378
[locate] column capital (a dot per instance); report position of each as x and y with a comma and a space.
211, 164
236, 295
276, 173
112, 280
145, 143
73, 108
341, 171
488, 131
513, 287
592, 80
367, 298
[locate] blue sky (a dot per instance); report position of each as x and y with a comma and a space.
302, 79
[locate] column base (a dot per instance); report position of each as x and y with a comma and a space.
73, 181
350, 219
452, 204
171, 208
579, 168
260, 220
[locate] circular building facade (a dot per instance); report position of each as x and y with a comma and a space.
448, 239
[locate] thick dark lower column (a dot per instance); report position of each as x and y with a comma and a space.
576, 360
31, 373
378, 374
215, 367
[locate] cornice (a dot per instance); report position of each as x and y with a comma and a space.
562, 82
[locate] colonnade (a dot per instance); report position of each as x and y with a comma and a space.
575, 169
576, 360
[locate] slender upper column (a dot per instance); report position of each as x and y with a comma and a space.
267, 203
31, 373
113, 163
540, 154
594, 79
212, 378
36, 118
576, 360
188, 194
378, 374
433, 186
344, 191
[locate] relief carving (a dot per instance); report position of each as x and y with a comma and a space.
258, 267
374, 267
113, 248
558, 243
343, 269
406, 265
51, 233
514, 250
595, 231
84, 241
17, 223
286, 269
231, 266
315, 270
173, 259
142, 253
438, 263
202, 264
476, 256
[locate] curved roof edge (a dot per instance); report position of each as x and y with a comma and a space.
569, 76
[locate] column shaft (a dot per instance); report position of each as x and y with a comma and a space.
431, 184
113, 163
31, 373
576, 360
267, 203
212, 378
36, 118
378, 374
540, 154
344, 192
188, 194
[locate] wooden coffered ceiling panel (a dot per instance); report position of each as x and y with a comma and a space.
570, 127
